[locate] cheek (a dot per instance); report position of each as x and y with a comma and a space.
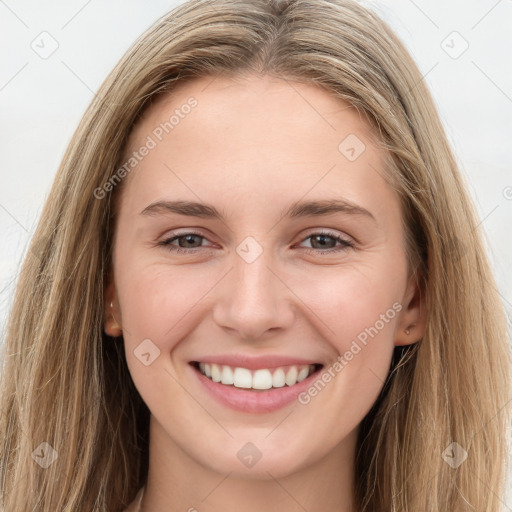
157, 301
163, 304
359, 312
351, 302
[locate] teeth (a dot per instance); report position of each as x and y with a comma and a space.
216, 373
303, 373
242, 378
227, 375
278, 379
291, 376
259, 379
262, 379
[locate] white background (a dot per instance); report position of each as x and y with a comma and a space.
42, 100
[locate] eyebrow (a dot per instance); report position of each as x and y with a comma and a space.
297, 209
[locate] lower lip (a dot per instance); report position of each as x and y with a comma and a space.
260, 401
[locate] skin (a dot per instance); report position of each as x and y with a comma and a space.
252, 146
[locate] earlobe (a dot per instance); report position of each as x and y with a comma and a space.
112, 326
412, 322
112, 322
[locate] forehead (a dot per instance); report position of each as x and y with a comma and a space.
257, 103
263, 134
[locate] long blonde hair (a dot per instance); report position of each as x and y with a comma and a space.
66, 383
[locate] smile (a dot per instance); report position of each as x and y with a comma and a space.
256, 379
257, 390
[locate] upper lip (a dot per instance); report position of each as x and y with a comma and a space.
254, 362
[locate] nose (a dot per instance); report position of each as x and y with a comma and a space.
252, 300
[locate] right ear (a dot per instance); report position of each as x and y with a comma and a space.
111, 310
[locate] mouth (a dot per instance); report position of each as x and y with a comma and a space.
259, 380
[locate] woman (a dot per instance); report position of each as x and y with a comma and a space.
260, 369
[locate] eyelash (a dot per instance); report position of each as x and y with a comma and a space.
180, 250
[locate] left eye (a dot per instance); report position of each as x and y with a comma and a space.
319, 238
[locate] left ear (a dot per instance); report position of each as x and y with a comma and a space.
413, 317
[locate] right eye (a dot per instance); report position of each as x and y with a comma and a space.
188, 237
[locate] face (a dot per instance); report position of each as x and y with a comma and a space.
289, 276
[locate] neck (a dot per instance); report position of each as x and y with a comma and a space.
179, 481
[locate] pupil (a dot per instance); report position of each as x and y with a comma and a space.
321, 238
190, 238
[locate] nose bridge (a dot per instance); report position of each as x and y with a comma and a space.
253, 280
252, 275
254, 299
